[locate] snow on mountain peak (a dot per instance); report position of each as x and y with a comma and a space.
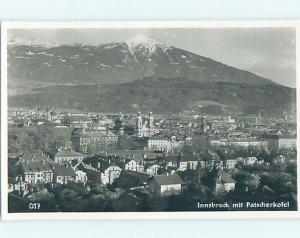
148, 42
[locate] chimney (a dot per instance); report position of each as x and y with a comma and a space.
98, 165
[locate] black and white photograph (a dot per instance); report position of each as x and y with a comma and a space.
149, 118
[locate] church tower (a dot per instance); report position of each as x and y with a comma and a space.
119, 124
139, 123
151, 125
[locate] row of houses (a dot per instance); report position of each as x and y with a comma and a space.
273, 142
68, 166
41, 171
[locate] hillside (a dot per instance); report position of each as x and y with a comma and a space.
162, 95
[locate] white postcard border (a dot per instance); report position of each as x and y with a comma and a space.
137, 215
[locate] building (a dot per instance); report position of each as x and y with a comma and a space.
220, 181
251, 160
128, 164
152, 169
137, 154
230, 163
109, 172
80, 177
159, 144
81, 139
224, 183
243, 142
166, 185
188, 162
36, 171
144, 126
277, 142
67, 155
63, 174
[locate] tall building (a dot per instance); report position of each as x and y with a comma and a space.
277, 142
81, 139
144, 126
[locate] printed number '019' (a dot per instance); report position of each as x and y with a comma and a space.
34, 206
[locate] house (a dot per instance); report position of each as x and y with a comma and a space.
109, 172
224, 182
250, 160
230, 161
67, 155
62, 174
80, 177
93, 175
188, 161
36, 171
152, 169
166, 185
128, 164
220, 181
140, 167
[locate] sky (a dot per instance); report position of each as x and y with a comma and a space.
268, 52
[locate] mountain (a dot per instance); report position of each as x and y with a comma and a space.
164, 96
139, 73
117, 62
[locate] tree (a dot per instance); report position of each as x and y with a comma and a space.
91, 149
128, 143
199, 143
247, 180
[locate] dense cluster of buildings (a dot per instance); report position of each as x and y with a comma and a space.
167, 149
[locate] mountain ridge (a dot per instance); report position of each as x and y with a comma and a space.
118, 62
116, 76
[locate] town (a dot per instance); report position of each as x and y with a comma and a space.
143, 161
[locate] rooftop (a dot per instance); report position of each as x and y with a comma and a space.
62, 170
168, 179
36, 166
67, 153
